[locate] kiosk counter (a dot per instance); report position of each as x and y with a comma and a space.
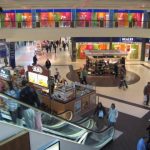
61, 98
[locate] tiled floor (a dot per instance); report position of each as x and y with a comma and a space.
133, 116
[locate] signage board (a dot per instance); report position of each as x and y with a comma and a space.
5, 74
38, 75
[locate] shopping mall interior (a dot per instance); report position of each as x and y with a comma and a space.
99, 52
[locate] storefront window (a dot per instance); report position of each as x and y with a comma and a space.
84, 19
101, 19
64, 18
136, 19
147, 52
121, 19
9, 20
27, 20
44, 19
133, 50
82, 47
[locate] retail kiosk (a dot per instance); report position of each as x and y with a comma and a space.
74, 97
102, 62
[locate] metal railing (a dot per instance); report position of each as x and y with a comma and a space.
75, 24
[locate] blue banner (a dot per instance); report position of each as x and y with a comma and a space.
3, 48
12, 61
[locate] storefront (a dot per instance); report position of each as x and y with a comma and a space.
83, 46
83, 17
44, 18
147, 50
128, 18
132, 46
24, 18
101, 17
9, 19
63, 17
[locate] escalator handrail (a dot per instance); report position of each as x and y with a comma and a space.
4, 95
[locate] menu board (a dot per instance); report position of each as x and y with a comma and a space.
38, 79
42, 80
32, 77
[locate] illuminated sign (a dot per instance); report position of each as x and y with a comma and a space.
37, 69
127, 40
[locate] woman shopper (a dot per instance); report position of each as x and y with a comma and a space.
48, 64
100, 112
112, 115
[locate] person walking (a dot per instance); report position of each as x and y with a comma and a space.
147, 92
35, 59
55, 47
100, 113
123, 82
112, 115
116, 70
48, 64
57, 75
84, 73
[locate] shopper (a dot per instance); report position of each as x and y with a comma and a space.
84, 73
55, 47
141, 144
112, 115
100, 113
123, 82
35, 60
48, 64
5, 61
28, 96
116, 70
147, 92
57, 75
12, 105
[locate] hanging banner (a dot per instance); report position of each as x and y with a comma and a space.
12, 61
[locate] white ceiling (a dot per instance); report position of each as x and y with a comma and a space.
110, 4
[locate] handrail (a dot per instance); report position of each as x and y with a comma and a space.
75, 23
57, 117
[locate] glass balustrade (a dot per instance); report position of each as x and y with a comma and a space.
15, 112
75, 24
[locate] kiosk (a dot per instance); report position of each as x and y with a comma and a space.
79, 99
102, 62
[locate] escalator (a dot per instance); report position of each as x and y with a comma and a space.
81, 132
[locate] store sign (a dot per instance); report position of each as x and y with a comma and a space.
37, 69
5, 74
127, 40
